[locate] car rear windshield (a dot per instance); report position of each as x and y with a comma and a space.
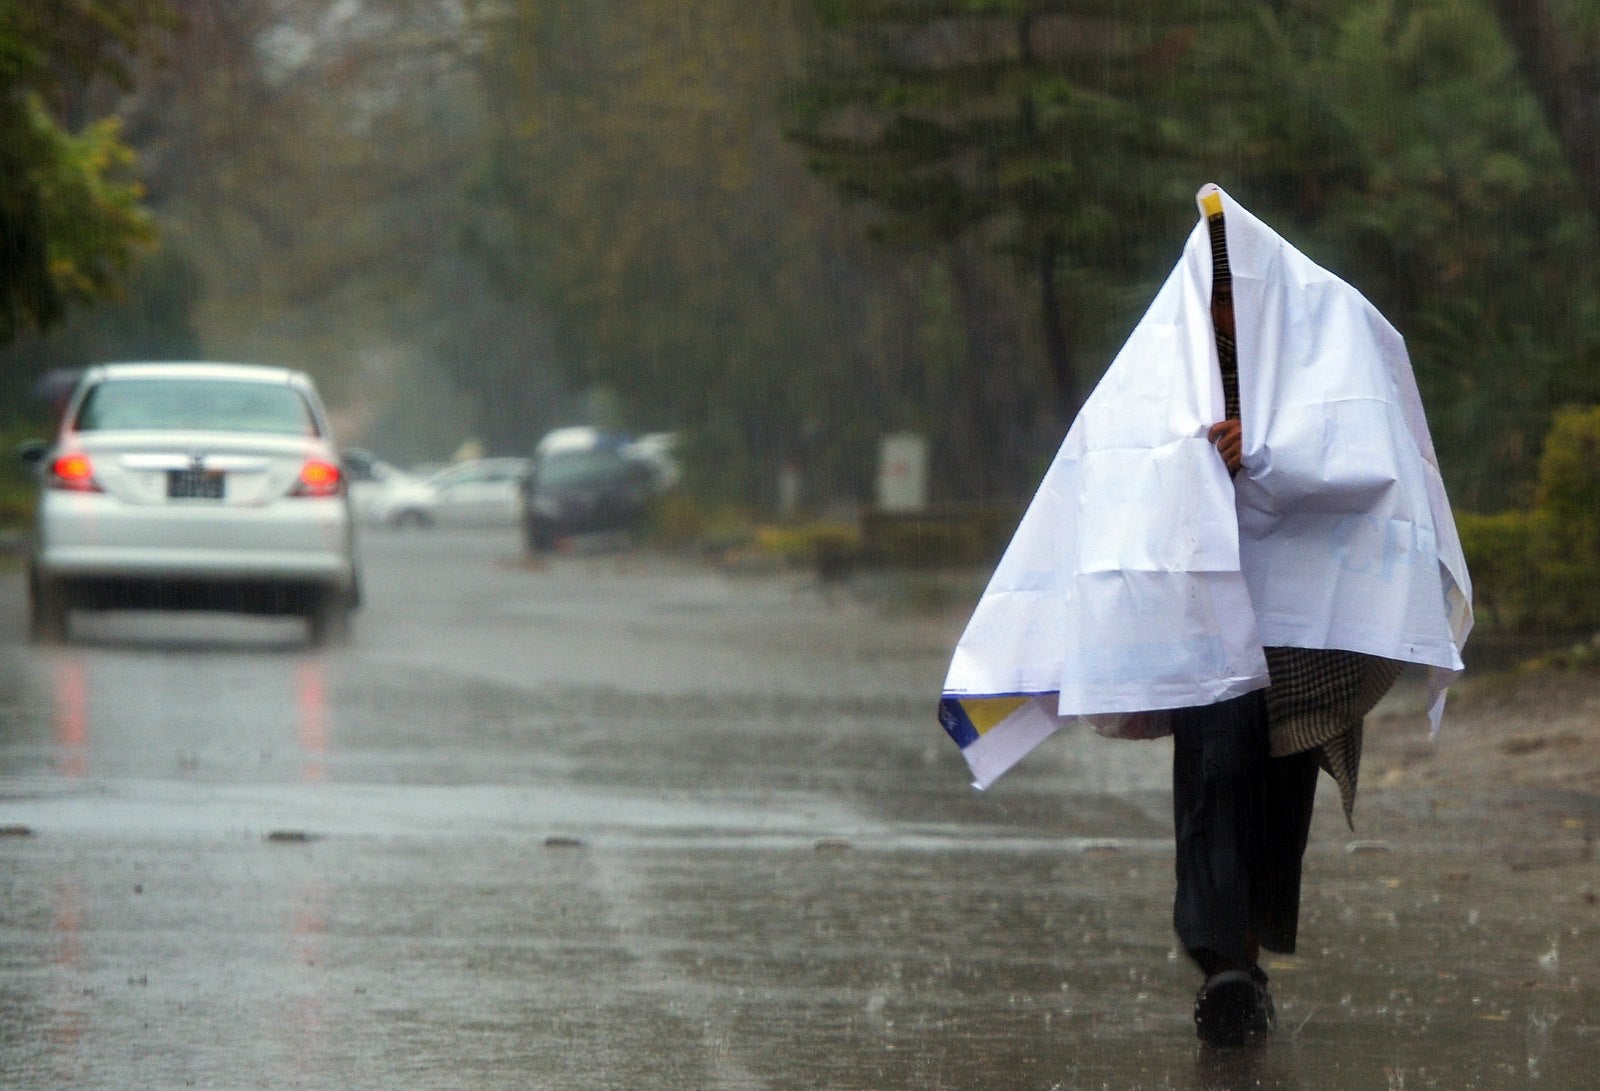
580, 468
188, 404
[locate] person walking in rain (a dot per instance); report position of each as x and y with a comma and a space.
1242, 541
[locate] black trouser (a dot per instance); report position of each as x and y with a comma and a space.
1241, 819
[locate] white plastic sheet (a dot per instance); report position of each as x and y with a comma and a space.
1142, 578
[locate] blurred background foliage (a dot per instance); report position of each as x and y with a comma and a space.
71, 220
788, 229
1537, 569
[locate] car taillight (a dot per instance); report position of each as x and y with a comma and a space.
73, 472
318, 478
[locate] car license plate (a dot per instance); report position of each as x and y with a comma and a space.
194, 484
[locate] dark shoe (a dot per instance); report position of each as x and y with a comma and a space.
1271, 1022
1232, 1008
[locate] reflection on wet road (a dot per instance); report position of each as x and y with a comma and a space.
622, 823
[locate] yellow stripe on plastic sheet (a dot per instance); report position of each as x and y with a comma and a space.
986, 712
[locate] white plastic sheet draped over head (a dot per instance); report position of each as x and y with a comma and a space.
1142, 578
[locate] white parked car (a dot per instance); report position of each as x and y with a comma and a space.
383, 495
660, 449
192, 486
482, 492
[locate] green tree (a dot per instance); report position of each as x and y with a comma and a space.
1394, 140
1053, 131
308, 162
1555, 42
637, 196
152, 319
71, 219
1456, 213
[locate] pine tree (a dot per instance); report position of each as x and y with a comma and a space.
1061, 132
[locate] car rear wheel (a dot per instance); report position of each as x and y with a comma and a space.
538, 536
328, 621
47, 611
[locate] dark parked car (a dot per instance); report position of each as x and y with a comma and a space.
583, 489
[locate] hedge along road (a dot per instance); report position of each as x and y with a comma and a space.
632, 821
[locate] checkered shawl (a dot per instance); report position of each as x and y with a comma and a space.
1318, 700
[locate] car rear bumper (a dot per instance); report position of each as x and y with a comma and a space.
302, 541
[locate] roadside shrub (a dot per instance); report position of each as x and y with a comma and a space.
954, 537
1500, 551
16, 480
675, 520
1567, 545
830, 547
16, 507
1569, 470
1538, 571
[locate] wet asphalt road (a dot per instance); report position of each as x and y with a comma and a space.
623, 822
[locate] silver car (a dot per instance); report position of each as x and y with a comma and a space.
192, 486
383, 495
483, 492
